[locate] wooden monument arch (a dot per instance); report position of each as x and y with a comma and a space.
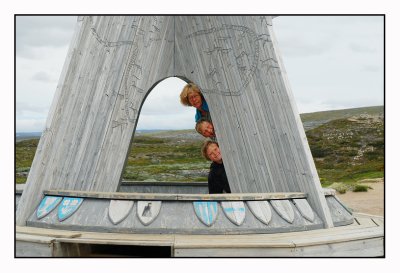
75, 203
112, 64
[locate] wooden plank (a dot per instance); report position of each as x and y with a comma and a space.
118, 210
47, 232
181, 197
360, 248
341, 241
32, 246
291, 239
365, 221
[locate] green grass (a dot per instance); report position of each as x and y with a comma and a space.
347, 151
361, 188
163, 157
24, 153
165, 160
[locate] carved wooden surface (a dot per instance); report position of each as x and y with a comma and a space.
364, 238
115, 61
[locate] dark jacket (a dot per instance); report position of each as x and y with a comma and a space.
217, 180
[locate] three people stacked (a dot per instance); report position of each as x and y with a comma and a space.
217, 179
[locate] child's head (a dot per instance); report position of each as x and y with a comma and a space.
205, 128
211, 151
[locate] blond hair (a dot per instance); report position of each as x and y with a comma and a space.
187, 89
205, 146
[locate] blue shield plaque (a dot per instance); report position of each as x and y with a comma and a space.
206, 211
234, 211
68, 206
48, 204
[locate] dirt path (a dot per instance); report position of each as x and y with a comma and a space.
371, 202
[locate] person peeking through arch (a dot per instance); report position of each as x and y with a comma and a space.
191, 96
217, 179
206, 128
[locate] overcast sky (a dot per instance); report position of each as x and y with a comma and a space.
333, 62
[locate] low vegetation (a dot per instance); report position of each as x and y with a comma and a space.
345, 150
348, 150
165, 159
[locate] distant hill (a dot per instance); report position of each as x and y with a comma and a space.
347, 146
27, 135
312, 120
349, 149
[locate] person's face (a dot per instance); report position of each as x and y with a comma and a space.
214, 153
207, 129
195, 99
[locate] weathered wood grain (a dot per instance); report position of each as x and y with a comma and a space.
113, 64
181, 197
364, 240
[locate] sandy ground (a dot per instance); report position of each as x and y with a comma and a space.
371, 202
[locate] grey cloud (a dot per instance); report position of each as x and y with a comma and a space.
22, 108
358, 48
371, 68
43, 77
42, 31
344, 103
299, 48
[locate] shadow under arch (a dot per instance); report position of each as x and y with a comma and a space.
159, 175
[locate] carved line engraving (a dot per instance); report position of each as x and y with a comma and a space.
122, 123
134, 70
106, 43
152, 35
247, 61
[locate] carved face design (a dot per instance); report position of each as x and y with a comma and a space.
214, 153
207, 129
195, 99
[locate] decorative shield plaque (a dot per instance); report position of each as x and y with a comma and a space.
284, 209
68, 207
119, 210
261, 210
235, 211
48, 204
304, 208
206, 211
147, 211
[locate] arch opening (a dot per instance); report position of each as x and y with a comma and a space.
165, 151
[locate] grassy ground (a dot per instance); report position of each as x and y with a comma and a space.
164, 159
348, 150
345, 150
